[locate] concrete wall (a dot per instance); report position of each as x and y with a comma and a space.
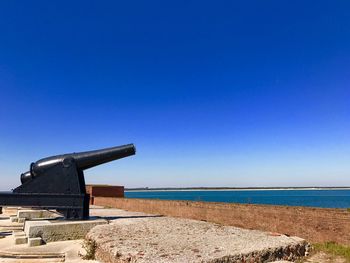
313, 224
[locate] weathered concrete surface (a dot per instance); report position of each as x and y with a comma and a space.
138, 237
21, 240
10, 211
7, 225
34, 241
51, 231
36, 260
14, 219
63, 251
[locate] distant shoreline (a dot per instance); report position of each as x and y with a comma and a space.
231, 189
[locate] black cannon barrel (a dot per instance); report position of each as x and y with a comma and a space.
83, 160
86, 160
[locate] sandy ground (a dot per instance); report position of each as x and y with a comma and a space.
322, 257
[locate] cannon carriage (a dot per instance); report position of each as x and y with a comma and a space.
57, 182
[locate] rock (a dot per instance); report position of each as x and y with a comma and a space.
21, 240
34, 241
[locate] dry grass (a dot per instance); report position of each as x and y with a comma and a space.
333, 249
90, 248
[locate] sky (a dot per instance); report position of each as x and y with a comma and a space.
212, 93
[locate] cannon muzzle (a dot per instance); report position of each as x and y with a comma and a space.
86, 160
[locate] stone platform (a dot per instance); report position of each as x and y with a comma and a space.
138, 237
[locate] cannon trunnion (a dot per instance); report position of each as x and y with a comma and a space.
58, 182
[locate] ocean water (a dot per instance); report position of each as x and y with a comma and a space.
313, 198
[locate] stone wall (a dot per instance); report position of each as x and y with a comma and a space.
313, 224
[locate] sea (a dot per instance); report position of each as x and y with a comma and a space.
311, 198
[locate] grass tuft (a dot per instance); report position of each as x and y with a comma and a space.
90, 248
334, 249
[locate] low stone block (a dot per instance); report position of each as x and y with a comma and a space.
34, 241
21, 220
13, 219
51, 231
33, 214
21, 240
18, 233
10, 211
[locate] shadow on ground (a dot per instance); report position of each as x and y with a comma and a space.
124, 217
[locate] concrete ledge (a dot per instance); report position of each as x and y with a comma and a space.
36, 256
18, 233
10, 210
64, 251
13, 219
11, 227
35, 214
21, 220
50, 231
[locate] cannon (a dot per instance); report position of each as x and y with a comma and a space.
57, 182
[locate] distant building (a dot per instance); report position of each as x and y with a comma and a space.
99, 190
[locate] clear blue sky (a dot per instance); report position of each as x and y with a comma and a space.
223, 93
